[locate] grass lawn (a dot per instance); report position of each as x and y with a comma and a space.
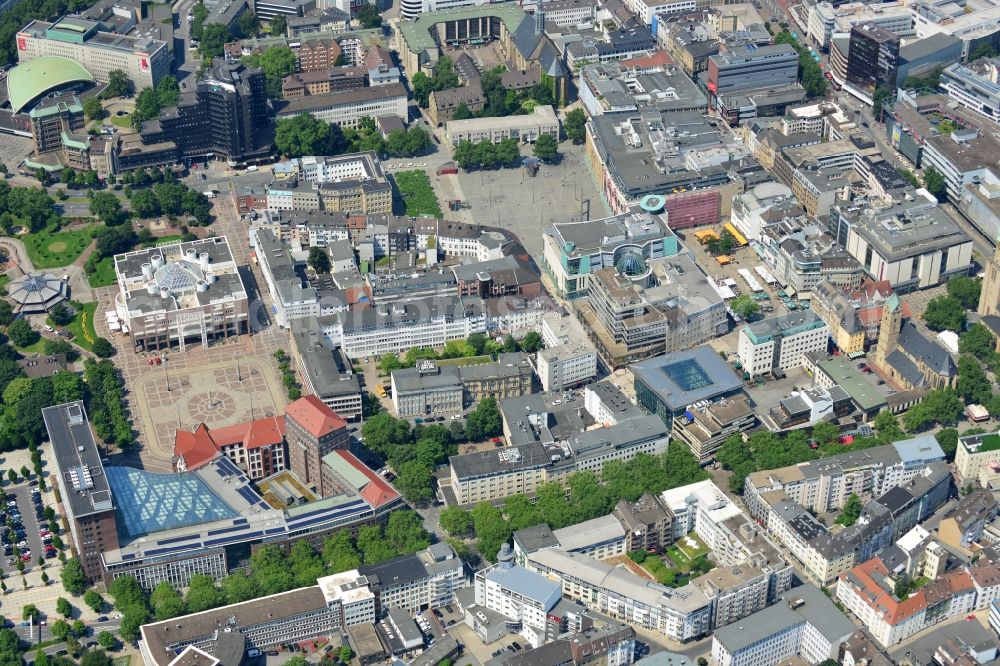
82, 327
122, 121
418, 195
687, 549
104, 276
77, 200
55, 250
4, 281
37, 348
122, 661
167, 240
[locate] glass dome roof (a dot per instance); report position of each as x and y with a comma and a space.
631, 264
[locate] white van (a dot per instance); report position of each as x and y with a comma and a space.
209, 193
251, 169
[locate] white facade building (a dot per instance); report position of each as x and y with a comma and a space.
781, 342
569, 358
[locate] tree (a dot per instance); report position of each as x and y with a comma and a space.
247, 25
305, 134
346, 654
934, 183
61, 314
278, 25
144, 203
879, 99
73, 579
944, 313
405, 532
103, 348
455, 521
166, 602
415, 479
978, 341
92, 109
966, 290
107, 640
575, 125
213, 40
948, 439
462, 112
319, 260
60, 629
546, 148
851, 511
368, 16
484, 421
202, 594
95, 658
886, 425
168, 91
373, 545
21, 333
106, 207
973, 385
94, 601
702, 661
238, 587
277, 63
531, 342
115, 240
984, 50
64, 607
29, 612
119, 84
383, 432
6, 313
744, 306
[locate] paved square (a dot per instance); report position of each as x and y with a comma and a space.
513, 200
218, 393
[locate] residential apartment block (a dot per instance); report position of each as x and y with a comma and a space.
417, 582
568, 358
974, 452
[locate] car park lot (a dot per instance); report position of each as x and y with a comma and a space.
19, 509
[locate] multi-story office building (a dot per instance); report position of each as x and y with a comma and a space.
640, 308
349, 107
825, 485
100, 47
522, 596
323, 82
704, 429
873, 58
962, 156
174, 294
667, 385
800, 254
292, 299
83, 485
225, 114
326, 373
974, 86
524, 129
781, 343
804, 623
548, 441
427, 389
417, 582
312, 431
573, 251
395, 327
755, 209
354, 183
923, 246
750, 68
827, 19
621, 87
568, 358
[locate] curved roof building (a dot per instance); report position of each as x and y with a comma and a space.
36, 292
33, 78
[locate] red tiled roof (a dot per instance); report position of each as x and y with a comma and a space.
656, 58
863, 579
314, 416
202, 445
197, 448
377, 492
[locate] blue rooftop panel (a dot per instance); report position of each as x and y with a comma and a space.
158, 502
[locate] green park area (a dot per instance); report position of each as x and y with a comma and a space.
82, 326
418, 195
55, 249
689, 558
104, 273
464, 361
125, 122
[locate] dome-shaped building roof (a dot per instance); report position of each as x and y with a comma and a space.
36, 292
630, 263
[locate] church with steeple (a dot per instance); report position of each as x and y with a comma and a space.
909, 356
989, 297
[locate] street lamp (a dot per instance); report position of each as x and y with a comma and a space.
239, 373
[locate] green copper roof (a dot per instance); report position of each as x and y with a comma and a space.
35, 77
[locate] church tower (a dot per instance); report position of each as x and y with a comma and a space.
888, 333
989, 299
